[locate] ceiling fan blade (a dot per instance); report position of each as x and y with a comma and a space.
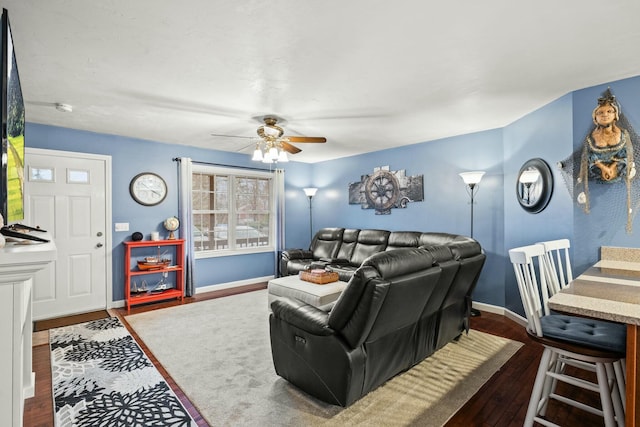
289, 148
306, 139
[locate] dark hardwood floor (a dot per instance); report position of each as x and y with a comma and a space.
501, 402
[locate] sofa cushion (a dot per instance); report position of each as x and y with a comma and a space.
465, 249
326, 243
403, 239
369, 242
400, 262
349, 240
433, 238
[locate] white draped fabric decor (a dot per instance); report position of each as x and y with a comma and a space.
279, 188
186, 223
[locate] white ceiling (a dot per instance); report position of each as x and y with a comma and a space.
365, 74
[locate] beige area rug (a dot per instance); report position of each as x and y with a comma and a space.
218, 352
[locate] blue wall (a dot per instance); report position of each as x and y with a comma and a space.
132, 156
552, 133
446, 206
547, 134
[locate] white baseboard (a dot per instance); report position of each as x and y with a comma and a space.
209, 288
116, 304
502, 311
488, 308
478, 305
236, 284
516, 318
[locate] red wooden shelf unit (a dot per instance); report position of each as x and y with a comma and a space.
175, 270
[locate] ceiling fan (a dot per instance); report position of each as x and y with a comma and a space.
273, 145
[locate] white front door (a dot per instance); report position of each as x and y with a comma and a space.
67, 194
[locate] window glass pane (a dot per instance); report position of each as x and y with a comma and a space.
221, 188
262, 202
245, 202
41, 174
231, 212
221, 201
76, 176
200, 233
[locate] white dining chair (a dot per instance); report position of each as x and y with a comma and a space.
557, 263
582, 343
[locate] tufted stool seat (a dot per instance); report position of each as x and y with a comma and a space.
592, 333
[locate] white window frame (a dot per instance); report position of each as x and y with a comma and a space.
232, 173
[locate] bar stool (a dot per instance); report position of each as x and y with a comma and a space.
558, 275
558, 263
592, 345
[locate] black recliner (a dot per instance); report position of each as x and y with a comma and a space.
370, 335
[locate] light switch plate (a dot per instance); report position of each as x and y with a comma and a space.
122, 226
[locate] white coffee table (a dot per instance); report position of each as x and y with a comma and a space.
321, 296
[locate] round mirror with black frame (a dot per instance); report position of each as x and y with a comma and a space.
534, 185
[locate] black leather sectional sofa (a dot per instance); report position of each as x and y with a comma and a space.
409, 294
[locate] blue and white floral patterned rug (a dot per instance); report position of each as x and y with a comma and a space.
101, 377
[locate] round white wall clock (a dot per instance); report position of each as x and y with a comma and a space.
148, 189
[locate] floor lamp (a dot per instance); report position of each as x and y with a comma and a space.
310, 192
472, 179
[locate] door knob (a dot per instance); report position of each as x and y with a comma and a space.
99, 245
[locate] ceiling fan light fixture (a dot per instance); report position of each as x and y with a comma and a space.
257, 155
273, 152
270, 131
282, 157
267, 156
273, 147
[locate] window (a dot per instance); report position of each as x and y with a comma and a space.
233, 211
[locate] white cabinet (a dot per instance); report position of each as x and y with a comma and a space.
18, 264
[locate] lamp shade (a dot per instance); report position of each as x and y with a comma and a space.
310, 191
473, 177
282, 157
529, 176
257, 155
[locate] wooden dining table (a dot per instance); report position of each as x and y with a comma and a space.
610, 290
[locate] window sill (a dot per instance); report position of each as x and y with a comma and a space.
223, 253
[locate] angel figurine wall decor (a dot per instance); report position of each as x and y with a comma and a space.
607, 156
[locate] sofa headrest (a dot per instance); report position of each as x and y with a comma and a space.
400, 262
407, 239
373, 237
432, 238
465, 249
350, 235
330, 234
440, 253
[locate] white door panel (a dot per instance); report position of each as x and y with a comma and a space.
65, 195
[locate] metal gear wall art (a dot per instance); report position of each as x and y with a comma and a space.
385, 189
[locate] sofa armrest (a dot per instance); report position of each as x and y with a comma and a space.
297, 254
302, 315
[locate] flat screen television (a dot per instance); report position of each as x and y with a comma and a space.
13, 123
12, 120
